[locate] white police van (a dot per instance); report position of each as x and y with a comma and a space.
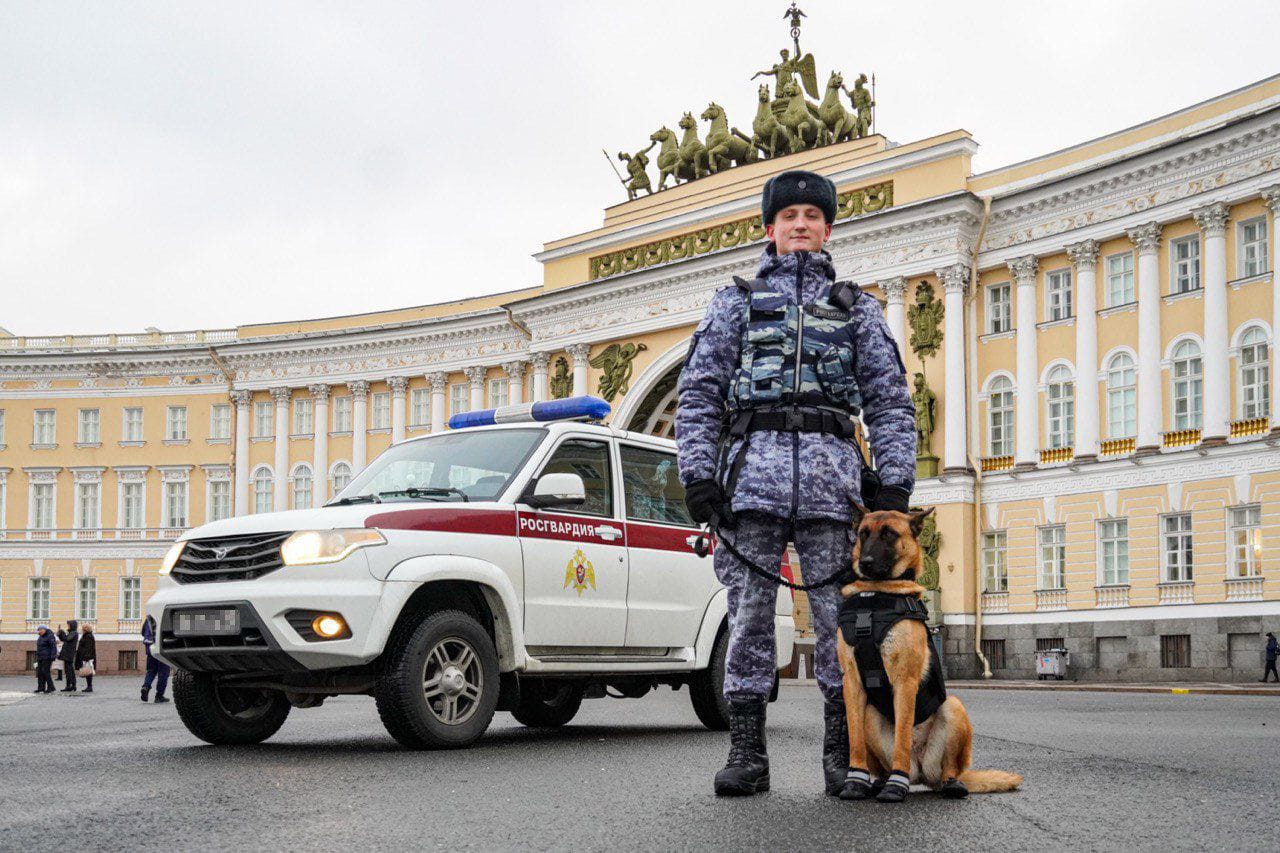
526, 559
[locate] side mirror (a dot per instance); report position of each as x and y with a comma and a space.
553, 490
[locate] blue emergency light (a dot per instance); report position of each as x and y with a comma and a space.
569, 409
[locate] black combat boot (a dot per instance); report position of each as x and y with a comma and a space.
747, 771
835, 746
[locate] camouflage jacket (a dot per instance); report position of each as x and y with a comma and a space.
808, 475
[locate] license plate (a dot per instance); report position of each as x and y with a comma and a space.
223, 620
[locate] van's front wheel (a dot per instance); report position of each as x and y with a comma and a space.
225, 715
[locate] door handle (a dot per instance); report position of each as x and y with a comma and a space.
691, 541
604, 531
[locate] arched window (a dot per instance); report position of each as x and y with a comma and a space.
1062, 406
341, 476
1122, 397
263, 490
1188, 386
1255, 375
302, 487
1000, 417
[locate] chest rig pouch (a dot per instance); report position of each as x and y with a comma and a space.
796, 355
864, 619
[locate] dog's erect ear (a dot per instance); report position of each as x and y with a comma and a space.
859, 512
917, 518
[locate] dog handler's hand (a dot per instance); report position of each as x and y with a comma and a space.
705, 500
891, 497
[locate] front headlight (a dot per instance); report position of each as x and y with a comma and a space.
310, 547
171, 558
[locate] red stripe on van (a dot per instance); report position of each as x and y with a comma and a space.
660, 537
448, 520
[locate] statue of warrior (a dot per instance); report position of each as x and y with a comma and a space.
860, 100
926, 403
636, 167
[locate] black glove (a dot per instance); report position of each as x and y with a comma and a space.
891, 497
706, 499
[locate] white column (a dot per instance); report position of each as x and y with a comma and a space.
359, 425
399, 417
1027, 406
895, 292
1212, 220
1147, 239
243, 400
579, 353
320, 446
1272, 196
955, 281
438, 382
1088, 426
515, 371
281, 490
541, 363
476, 376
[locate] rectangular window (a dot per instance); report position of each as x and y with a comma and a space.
220, 421
1244, 537
302, 416
175, 423
342, 413
264, 419
1176, 538
1175, 651
999, 318
1059, 303
1255, 377
42, 505
1253, 247
45, 427
1184, 262
219, 500
381, 411
420, 406
1046, 644
87, 599
1053, 557
38, 599
175, 505
1113, 551
88, 430
1188, 393
132, 430
127, 660
88, 505
130, 598
993, 651
499, 392
651, 485
459, 398
131, 497
1120, 279
995, 566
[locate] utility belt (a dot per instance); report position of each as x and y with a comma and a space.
792, 419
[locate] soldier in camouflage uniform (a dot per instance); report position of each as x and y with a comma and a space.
776, 374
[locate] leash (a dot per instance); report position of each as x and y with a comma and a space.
702, 547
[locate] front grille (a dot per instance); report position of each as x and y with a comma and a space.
251, 650
229, 558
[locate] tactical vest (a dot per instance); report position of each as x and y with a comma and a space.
865, 618
795, 355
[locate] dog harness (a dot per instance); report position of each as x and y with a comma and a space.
865, 618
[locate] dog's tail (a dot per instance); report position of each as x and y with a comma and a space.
990, 781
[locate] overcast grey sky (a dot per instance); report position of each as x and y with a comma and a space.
198, 165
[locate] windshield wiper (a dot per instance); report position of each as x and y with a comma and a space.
356, 499
418, 492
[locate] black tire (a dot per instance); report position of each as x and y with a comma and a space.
456, 710
706, 688
548, 704
224, 715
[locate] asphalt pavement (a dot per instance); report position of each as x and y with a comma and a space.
1103, 771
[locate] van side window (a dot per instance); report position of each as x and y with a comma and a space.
590, 461
651, 483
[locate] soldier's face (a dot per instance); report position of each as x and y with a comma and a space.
798, 228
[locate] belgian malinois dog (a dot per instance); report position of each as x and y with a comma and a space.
886, 757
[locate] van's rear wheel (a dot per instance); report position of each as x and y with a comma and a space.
439, 683
226, 715
547, 704
706, 688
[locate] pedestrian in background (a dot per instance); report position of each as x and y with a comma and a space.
155, 669
1273, 651
87, 657
70, 642
46, 652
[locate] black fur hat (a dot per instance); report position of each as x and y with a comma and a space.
798, 187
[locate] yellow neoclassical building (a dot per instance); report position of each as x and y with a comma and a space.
1094, 326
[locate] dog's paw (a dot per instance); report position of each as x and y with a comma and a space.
857, 785
895, 788
953, 789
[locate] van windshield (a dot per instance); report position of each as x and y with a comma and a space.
463, 466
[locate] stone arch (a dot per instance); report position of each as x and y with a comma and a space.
650, 405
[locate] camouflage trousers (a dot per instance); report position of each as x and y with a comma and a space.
824, 547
